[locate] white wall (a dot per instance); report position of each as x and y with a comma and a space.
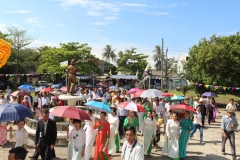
182, 58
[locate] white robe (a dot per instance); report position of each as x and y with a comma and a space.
114, 123
90, 137
148, 130
171, 146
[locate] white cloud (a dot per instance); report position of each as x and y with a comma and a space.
90, 13
39, 43
135, 4
111, 17
18, 11
34, 22
172, 5
59, 25
3, 27
158, 13
100, 23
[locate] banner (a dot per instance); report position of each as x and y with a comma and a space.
64, 63
215, 87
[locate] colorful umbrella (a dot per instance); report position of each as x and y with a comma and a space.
178, 98
56, 93
38, 89
47, 90
26, 87
64, 89
56, 85
138, 93
19, 93
98, 106
209, 94
14, 112
70, 112
181, 108
113, 88
151, 93
133, 90
167, 94
131, 106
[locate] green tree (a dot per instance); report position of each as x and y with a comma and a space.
52, 56
19, 40
215, 61
109, 54
157, 57
129, 62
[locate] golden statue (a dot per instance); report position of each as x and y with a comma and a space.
71, 73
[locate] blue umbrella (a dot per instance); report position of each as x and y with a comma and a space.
99, 106
26, 87
38, 89
14, 112
209, 94
56, 85
178, 98
113, 88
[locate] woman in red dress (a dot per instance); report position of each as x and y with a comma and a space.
102, 139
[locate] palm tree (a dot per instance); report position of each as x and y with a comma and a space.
109, 54
157, 57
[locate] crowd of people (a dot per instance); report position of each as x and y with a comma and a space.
158, 120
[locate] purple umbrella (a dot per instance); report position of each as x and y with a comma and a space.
209, 94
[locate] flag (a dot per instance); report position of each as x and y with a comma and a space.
64, 63
147, 68
137, 73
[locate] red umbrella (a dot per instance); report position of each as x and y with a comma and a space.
133, 90
181, 108
167, 94
64, 89
138, 93
70, 112
47, 90
131, 106
19, 93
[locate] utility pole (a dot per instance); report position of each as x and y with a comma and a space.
166, 63
162, 68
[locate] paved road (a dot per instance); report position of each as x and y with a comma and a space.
211, 150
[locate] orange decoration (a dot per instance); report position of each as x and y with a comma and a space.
5, 52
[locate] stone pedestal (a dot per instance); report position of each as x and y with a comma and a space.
72, 99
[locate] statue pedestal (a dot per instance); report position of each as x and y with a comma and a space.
72, 99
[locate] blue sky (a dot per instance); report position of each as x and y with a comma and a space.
122, 23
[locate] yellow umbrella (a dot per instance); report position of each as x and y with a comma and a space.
5, 52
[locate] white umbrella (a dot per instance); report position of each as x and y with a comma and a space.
113, 88
151, 93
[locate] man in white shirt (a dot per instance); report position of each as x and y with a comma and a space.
158, 107
90, 98
231, 105
132, 149
9, 91
168, 106
45, 100
35, 101
3, 100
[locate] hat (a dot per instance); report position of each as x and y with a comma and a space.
201, 100
229, 111
112, 106
196, 97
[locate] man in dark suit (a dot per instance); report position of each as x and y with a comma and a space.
46, 131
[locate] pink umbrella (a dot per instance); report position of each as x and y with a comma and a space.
70, 112
47, 90
64, 88
133, 90
138, 93
181, 108
131, 106
167, 94
19, 93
